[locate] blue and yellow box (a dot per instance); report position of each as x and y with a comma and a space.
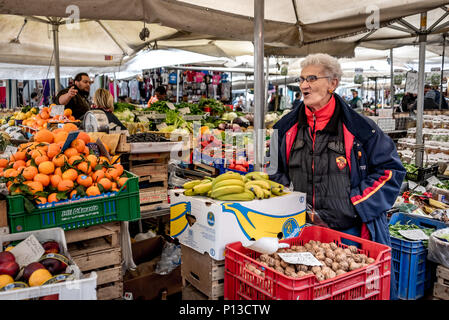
208, 225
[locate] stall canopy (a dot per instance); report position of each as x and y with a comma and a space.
288, 24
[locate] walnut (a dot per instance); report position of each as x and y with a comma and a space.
333, 246
335, 266
328, 262
353, 249
330, 254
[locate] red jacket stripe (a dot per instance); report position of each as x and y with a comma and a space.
368, 192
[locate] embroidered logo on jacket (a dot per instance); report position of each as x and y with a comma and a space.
341, 162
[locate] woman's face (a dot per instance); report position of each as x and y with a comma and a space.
316, 94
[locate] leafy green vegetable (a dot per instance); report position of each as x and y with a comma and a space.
395, 228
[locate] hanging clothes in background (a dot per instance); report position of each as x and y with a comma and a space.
134, 90
45, 92
3, 97
64, 83
11, 94
123, 85
95, 85
142, 92
111, 87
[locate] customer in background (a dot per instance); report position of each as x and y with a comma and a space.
356, 103
34, 102
103, 100
297, 100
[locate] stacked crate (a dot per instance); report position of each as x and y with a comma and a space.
441, 287
98, 249
152, 170
202, 276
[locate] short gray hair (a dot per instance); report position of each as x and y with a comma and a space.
330, 64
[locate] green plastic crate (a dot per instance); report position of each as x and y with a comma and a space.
69, 215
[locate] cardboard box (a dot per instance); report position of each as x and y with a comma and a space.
143, 283
208, 225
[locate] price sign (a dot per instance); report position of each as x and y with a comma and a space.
94, 147
416, 234
185, 110
305, 258
72, 136
433, 180
411, 82
27, 251
9, 151
57, 110
142, 119
171, 106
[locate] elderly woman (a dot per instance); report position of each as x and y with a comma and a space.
348, 167
104, 100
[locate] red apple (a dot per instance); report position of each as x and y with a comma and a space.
6, 256
50, 297
55, 266
51, 247
9, 267
29, 269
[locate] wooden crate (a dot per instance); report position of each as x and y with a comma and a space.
123, 146
3, 214
153, 157
152, 195
98, 249
205, 168
441, 287
189, 292
150, 172
202, 272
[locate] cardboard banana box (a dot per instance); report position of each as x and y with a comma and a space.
207, 225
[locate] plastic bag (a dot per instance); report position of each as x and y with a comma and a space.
143, 236
439, 248
170, 259
314, 217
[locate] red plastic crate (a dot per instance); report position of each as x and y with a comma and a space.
369, 283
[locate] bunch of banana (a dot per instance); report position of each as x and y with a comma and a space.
230, 186
258, 183
198, 187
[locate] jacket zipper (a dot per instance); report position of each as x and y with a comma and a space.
313, 162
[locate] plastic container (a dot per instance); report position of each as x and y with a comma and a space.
78, 289
410, 265
79, 212
369, 283
422, 174
223, 169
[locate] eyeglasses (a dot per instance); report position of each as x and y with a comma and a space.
310, 79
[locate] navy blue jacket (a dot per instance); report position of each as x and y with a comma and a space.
375, 167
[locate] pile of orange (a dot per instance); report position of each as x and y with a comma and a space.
42, 172
41, 120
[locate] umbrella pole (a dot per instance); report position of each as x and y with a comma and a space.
267, 61
442, 69
177, 85
391, 81
259, 110
55, 30
246, 91
420, 104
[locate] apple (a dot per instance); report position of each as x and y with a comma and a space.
29, 269
55, 266
51, 247
6, 256
10, 268
50, 297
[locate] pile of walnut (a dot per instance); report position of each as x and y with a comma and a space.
335, 260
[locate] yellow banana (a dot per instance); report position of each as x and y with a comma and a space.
258, 191
257, 175
437, 204
209, 193
261, 183
242, 196
226, 190
267, 193
191, 184
277, 191
189, 192
225, 176
275, 184
229, 182
202, 188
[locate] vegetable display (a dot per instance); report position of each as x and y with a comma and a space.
395, 228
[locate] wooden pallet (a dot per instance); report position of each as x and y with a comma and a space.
441, 287
202, 272
98, 249
205, 168
155, 206
154, 194
161, 157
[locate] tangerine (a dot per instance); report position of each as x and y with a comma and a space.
35, 186
44, 135
55, 180
79, 145
59, 160
65, 185
40, 159
41, 200
122, 181
70, 174
73, 194
99, 174
85, 137
42, 178
93, 191
72, 159
46, 167
69, 127
19, 155
37, 153
67, 112
70, 152
18, 164
53, 150
52, 198
84, 167
119, 168
61, 136
84, 180
112, 174
3, 163
93, 160
29, 173
106, 183
58, 171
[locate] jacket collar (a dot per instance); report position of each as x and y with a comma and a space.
332, 125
